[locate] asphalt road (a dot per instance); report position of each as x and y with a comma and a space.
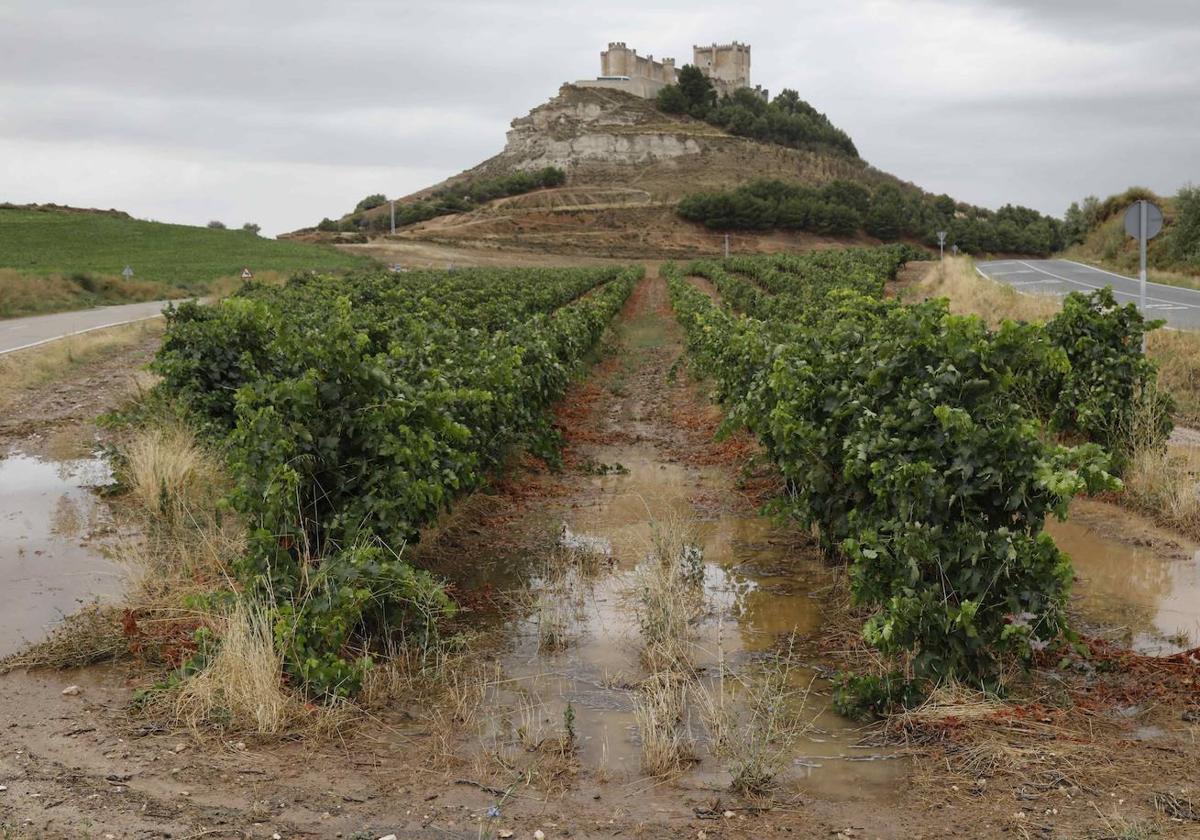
21, 333
1179, 307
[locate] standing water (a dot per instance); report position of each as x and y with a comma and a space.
48, 513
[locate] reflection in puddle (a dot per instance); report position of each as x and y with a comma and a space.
47, 512
1154, 599
757, 592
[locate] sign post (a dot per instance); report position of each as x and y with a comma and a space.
1143, 221
942, 244
393, 203
727, 246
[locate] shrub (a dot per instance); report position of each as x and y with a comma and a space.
353, 411
902, 437
1108, 379
371, 202
216, 225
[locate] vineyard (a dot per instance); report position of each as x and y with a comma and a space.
353, 412
927, 450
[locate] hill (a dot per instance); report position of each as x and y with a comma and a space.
1096, 231
631, 178
55, 258
628, 164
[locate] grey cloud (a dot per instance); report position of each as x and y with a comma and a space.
390, 95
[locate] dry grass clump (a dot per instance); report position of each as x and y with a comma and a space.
1162, 480
981, 736
955, 278
47, 362
670, 595
91, 635
1177, 354
659, 712
240, 689
754, 720
169, 473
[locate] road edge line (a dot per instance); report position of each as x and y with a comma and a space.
79, 332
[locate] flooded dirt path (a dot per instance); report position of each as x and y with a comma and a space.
643, 455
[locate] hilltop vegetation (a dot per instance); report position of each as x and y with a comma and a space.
1095, 232
787, 120
60, 258
843, 208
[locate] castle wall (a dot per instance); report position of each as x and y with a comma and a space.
727, 65
638, 86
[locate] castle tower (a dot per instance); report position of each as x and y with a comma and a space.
617, 60
728, 65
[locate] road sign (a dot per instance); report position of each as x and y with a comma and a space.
247, 274
1143, 221
127, 272
942, 244
954, 250
1133, 220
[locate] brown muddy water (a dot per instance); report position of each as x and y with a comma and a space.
50, 518
1136, 583
758, 589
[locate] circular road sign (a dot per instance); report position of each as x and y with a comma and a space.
1133, 220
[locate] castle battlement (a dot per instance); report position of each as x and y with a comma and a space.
727, 65
732, 45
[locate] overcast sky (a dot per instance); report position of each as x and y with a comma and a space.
284, 112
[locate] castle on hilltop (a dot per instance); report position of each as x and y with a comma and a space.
726, 65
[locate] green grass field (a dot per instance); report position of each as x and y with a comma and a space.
69, 245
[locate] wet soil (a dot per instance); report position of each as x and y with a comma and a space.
56, 420
640, 446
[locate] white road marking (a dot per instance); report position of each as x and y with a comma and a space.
1149, 283
1134, 295
79, 332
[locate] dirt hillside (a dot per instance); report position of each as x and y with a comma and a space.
627, 166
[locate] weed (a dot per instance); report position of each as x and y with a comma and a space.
240, 686
659, 705
670, 596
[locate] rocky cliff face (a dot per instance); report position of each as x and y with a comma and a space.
586, 125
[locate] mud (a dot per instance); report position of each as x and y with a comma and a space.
56, 420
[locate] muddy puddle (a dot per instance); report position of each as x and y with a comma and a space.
50, 519
758, 589
1138, 584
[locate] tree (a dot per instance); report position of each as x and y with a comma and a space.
672, 101
250, 227
697, 89
216, 225
1185, 233
328, 225
370, 202
885, 219
848, 194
